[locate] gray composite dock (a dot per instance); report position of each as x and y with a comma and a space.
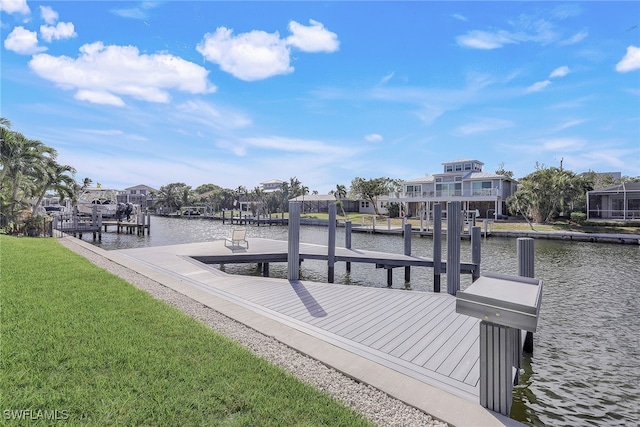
418, 334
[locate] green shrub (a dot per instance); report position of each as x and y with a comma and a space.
579, 217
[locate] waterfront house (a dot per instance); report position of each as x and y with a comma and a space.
461, 180
141, 195
271, 185
615, 202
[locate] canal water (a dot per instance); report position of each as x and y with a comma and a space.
585, 369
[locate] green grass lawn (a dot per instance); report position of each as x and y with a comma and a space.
81, 341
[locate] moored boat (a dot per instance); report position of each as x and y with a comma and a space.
103, 199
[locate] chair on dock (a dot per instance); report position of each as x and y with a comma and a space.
238, 236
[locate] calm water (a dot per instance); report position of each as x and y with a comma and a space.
586, 364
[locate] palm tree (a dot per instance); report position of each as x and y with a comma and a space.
304, 190
54, 176
22, 159
340, 193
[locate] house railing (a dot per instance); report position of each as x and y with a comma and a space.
484, 192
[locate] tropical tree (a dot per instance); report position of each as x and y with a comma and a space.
54, 177
548, 192
173, 196
304, 190
371, 189
21, 159
341, 193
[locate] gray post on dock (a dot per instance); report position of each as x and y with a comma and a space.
347, 239
407, 250
454, 223
331, 254
526, 263
476, 239
293, 254
437, 246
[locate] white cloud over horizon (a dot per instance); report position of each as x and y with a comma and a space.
631, 60
258, 55
103, 74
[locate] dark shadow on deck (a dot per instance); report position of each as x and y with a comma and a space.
310, 303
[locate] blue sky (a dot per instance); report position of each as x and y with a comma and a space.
237, 93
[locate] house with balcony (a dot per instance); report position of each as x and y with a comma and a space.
461, 180
141, 195
271, 185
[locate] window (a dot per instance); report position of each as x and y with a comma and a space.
458, 167
467, 166
448, 168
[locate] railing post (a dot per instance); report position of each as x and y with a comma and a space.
293, 253
331, 255
347, 239
454, 222
526, 264
496, 366
407, 250
437, 246
476, 251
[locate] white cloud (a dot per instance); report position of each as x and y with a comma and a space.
258, 55
101, 74
483, 125
373, 137
99, 97
211, 116
62, 30
386, 78
15, 6
538, 86
249, 56
563, 144
23, 41
569, 124
576, 38
485, 40
631, 60
49, 15
559, 72
539, 28
460, 17
138, 12
314, 38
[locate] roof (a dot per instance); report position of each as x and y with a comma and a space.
140, 186
629, 187
272, 181
485, 175
422, 179
464, 161
315, 198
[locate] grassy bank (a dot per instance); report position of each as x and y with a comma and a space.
514, 225
80, 344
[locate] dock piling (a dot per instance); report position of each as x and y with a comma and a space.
454, 225
293, 257
407, 250
437, 247
331, 250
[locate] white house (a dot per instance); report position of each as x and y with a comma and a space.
461, 180
271, 185
141, 195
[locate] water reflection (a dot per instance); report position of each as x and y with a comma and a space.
586, 364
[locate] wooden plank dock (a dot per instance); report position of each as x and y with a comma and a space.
418, 334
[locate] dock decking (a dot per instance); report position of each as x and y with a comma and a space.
418, 334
